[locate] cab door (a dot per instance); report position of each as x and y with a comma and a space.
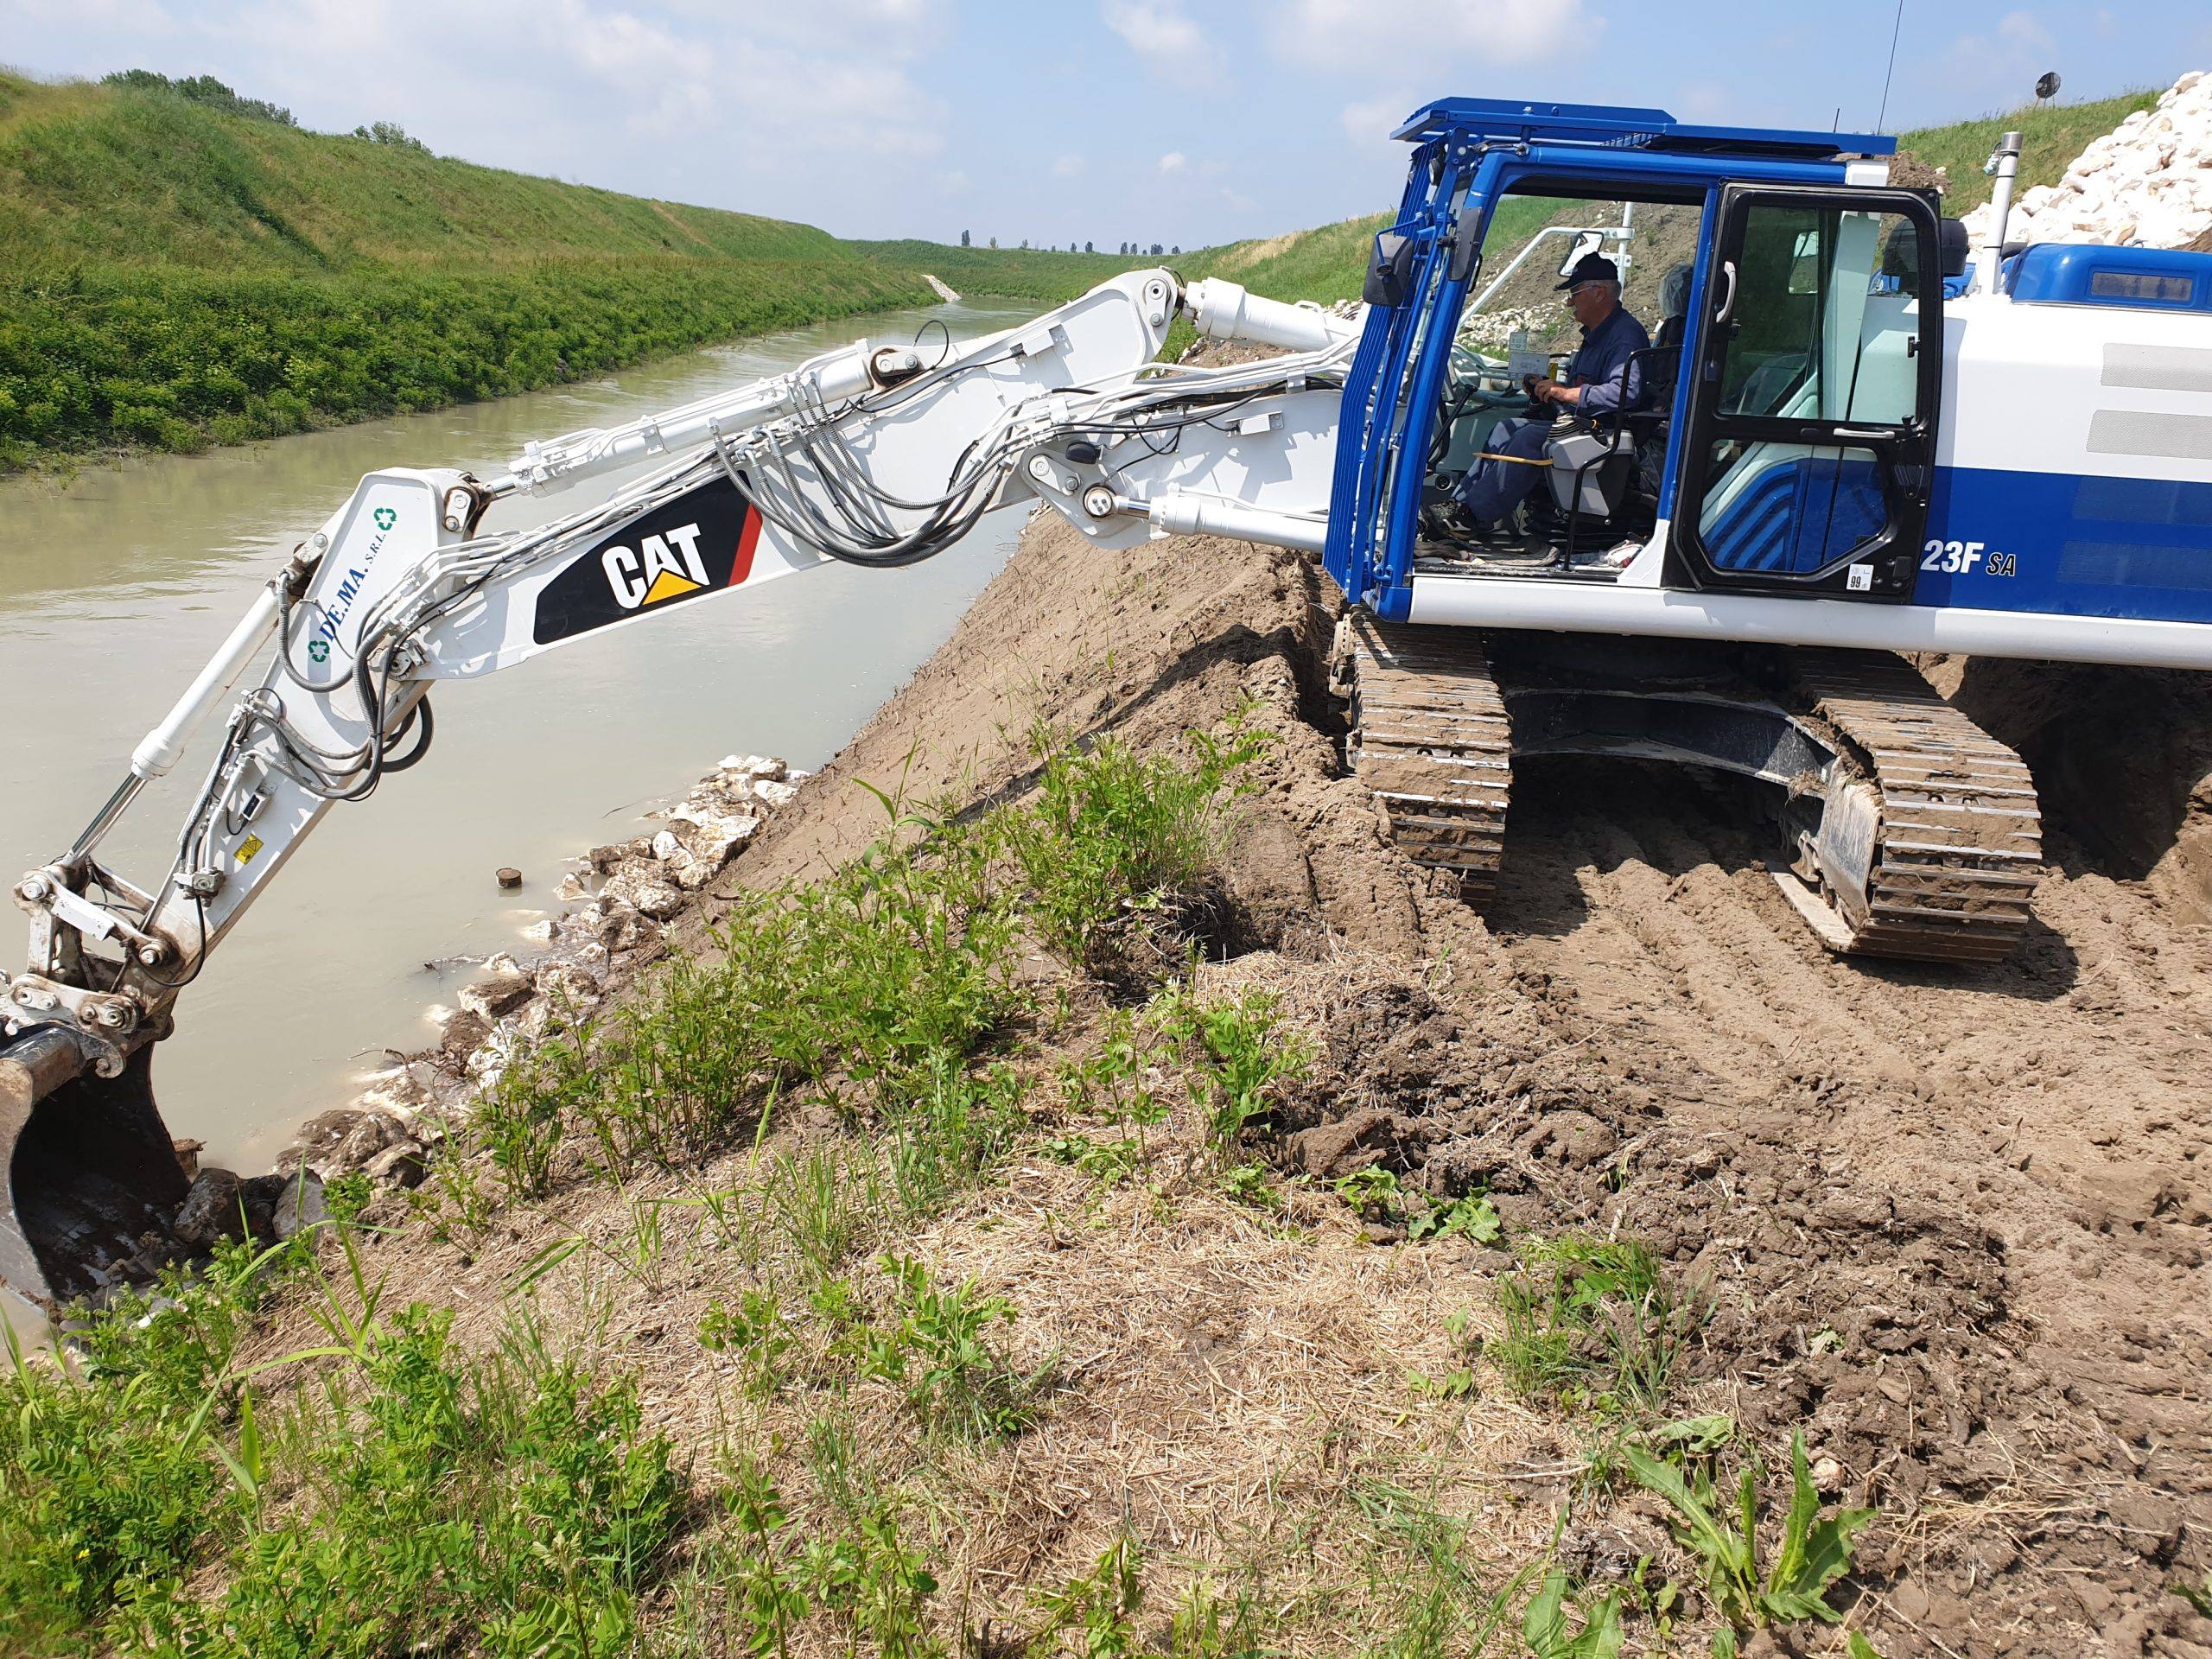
1810, 438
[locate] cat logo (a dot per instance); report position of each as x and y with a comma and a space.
661, 567
702, 542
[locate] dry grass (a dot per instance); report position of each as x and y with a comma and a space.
1229, 1384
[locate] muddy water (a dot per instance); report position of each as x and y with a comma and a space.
114, 590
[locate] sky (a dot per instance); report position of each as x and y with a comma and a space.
1184, 122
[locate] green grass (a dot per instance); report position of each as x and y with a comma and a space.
1593, 1324
176, 275
1114, 831
405, 1498
2051, 138
113, 175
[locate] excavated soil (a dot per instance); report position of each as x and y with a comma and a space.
1951, 1222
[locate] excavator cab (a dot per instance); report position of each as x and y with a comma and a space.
1782, 437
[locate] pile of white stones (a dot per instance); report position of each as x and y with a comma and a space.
627, 893
1499, 328
2147, 183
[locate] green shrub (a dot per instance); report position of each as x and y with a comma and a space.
937, 1350
1115, 831
508, 1502
1238, 1058
107, 1482
887, 977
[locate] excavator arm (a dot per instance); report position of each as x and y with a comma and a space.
870, 455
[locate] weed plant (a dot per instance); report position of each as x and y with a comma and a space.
1749, 1592
1116, 833
1592, 1323
1238, 1058
936, 1349
405, 1499
1095, 1613
512, 1501
884, 979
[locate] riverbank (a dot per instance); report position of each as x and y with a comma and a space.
115, 590
921, 1252
182, 274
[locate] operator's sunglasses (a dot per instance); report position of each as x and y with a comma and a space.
1583, 287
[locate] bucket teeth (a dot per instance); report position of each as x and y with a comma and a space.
1429, 736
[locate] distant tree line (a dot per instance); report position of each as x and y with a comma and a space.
1128, 250
201, 89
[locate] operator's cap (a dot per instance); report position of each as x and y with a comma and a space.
1592, 268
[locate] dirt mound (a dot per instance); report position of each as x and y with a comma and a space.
2122, 758
1951, 1222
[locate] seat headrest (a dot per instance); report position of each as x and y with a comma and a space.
1675, 291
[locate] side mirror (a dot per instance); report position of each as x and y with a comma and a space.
1466, 254
1390, 274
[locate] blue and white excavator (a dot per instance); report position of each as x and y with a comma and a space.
1872, 439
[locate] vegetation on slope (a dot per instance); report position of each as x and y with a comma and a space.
279, 1458
2051, 137
177, 273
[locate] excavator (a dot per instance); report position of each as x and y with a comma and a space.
1865, 438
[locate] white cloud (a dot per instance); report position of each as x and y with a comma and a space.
2002, 65
1159, 33
1374, 118
1239, 203
2025, 30
1068, 167
1337, 36
1174, 162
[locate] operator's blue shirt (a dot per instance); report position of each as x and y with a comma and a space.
1597, 366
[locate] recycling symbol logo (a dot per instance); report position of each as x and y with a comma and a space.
318, 651
386, 518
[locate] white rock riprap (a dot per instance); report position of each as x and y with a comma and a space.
2147, 183
628, 889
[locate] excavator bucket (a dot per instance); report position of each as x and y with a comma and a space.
91, 1169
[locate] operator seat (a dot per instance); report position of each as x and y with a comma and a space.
1660, 378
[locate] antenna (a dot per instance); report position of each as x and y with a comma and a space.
1896, 29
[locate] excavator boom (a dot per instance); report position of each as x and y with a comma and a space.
869, 454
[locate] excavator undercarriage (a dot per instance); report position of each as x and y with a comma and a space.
1907, 830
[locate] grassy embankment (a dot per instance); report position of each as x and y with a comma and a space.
173, 275
382, 1488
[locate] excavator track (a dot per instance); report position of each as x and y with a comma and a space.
1429, 737
1937, 849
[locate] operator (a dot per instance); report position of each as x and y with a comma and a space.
1594, 384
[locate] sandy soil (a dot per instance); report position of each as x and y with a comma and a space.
1953, 1223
